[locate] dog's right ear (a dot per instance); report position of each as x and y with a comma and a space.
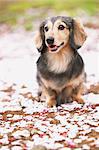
39, 38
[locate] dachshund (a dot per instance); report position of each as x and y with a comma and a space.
60, 68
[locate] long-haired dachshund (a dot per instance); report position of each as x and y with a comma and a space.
60, 69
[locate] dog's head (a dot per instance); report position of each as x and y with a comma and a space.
56, 32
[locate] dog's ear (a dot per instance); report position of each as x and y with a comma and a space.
77, 34
39, 38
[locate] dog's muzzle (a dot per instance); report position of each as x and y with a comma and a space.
51, 46
55, 48
50, 41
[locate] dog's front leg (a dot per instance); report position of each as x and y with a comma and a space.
50, 97
77, 94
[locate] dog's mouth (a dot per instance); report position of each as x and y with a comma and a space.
54, 48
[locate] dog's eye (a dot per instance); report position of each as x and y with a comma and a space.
46, 28
61, 27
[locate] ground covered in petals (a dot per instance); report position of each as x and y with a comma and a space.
24, 120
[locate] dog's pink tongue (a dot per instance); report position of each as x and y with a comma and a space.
51, 47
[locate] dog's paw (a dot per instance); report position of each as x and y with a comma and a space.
51, 103
79, 100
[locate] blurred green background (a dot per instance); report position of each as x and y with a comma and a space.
25, 12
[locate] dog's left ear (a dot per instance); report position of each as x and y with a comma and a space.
77, 34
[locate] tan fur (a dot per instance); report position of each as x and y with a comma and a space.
37, 40
59, 36
62, 59
79, 33
78, 96
75, 82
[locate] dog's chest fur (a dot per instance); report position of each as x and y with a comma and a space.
57, 76
58, 63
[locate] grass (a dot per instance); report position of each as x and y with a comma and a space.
12, 11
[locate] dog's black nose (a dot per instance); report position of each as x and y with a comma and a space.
50, 40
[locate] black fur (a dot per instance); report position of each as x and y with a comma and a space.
73, 70
71, 37
43, 47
